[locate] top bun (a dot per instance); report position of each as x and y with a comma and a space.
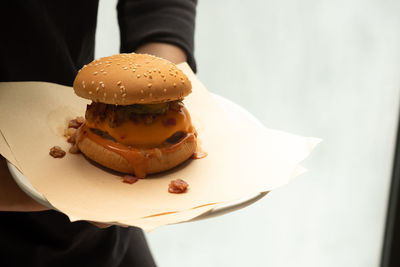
127, 79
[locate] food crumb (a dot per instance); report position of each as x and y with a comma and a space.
129, 179
178, 186
76, 123
56, 152
69, 132
72, 139
74, 149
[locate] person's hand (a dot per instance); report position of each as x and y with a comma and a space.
12, 198
100, 225
170, 52
105, 225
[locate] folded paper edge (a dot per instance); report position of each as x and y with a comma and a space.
12, 160
297, 170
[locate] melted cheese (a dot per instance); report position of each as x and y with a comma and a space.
152, 135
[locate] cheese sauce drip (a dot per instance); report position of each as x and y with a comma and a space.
142, 135
136, 157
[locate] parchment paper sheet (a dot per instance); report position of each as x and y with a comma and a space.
244, 158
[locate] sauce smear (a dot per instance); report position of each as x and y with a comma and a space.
136, 157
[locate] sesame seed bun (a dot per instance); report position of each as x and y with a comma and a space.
164, 161
127, 79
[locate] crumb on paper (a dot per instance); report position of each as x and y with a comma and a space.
72, 139
57, 152
129, 179
71, 131
74, 149
76, 123
178, 186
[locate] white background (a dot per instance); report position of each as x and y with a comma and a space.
321, 68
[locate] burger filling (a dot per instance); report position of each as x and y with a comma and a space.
140, 125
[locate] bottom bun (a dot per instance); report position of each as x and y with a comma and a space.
150, 161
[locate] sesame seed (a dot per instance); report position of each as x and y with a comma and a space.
162, 75
105, 94
133, 70
95, 73
149, 71
138, 75
104, 73
124, 94
174, 84
183, 81
149, 85
102, 85
97, 89
119, 83
115, 95
90, 92
92, 82
144, 74
101, 70
141, 99
165, 90
142, 91
125, 68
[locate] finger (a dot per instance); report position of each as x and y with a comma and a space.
100, 225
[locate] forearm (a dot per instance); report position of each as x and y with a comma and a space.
12, 198
170, 52
158, 27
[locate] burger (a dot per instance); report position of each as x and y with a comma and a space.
136, 122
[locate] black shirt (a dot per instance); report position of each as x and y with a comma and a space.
49, 40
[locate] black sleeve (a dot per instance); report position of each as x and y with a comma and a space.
168, 21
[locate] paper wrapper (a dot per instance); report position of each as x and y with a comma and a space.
244, 158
